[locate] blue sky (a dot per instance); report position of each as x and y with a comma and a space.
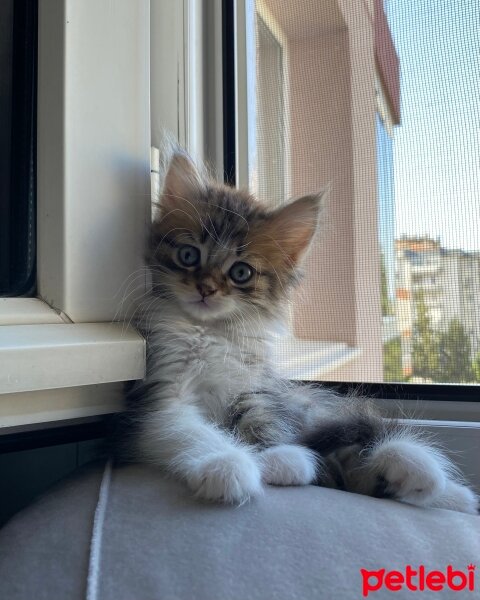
437, 146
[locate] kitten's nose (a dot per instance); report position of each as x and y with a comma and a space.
205, 289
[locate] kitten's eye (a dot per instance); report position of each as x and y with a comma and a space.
189, 256
240, 272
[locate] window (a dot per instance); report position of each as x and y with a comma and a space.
268, 177
18, 61
436, 186
316, 89
388, 292
305, 137
60, 354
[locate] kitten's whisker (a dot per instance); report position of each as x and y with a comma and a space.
132, 292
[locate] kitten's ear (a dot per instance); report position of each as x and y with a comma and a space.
182, 183
294, 225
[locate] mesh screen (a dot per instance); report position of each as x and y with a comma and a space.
380, 101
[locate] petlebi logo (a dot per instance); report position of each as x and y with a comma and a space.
418, 579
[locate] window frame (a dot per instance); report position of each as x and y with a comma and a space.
93, 206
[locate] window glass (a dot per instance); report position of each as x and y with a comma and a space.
380, 101
18, 60
436, 164
270, 173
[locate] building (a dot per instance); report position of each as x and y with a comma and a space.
460, 282
447, 280
326, 101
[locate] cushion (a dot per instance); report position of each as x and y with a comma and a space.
141, 536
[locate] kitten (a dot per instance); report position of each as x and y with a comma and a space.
211, 409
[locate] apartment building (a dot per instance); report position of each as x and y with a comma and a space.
460, 281
447, 280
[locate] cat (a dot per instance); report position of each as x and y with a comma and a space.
211, 410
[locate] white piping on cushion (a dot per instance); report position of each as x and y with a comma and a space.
97, 533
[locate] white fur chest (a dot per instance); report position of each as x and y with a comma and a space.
204, 364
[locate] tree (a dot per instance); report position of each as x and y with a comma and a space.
455, 354
425, 350
476, 367
387, 309
392, 361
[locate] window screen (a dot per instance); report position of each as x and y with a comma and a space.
18, 63
379, 101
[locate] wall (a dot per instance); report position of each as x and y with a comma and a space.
332, 140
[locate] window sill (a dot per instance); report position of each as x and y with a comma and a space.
52, 356
28, 311
27, 411
311, 360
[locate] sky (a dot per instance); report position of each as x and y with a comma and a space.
437, 146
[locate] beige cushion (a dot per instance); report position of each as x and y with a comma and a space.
159, 543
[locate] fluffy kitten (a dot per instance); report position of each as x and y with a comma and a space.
211, 410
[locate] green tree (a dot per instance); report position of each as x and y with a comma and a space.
387, 309
425, 350
392, 361
455, 354
476, 367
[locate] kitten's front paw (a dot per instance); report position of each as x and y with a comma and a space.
408, 471
233, 477
288, 465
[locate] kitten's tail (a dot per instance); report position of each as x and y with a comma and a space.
359, 423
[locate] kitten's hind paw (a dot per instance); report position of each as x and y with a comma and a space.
288, 464
408, 471
232, 477
458, 497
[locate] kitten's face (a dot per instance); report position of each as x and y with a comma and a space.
209, 280
218, 254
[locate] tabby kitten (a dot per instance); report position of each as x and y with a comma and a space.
211, 409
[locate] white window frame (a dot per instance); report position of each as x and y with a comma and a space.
92, 212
